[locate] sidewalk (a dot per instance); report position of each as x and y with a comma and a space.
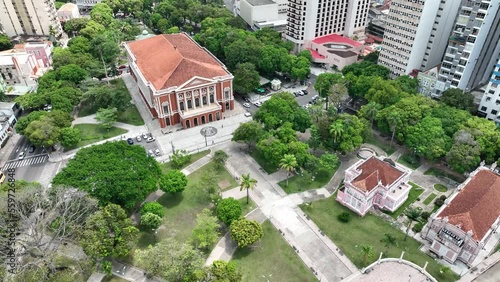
8, 148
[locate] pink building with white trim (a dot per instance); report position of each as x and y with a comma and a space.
374, 182
335, 50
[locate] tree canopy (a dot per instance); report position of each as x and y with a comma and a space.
282, 108
113, 172
246, 232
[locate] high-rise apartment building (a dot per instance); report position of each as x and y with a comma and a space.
416, 34
473, 46
308, 19
490, 103
29, 17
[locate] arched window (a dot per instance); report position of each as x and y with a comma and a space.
204, 100
226, 93
181, 105
211, 98
190, 104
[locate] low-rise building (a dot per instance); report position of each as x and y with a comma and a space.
180, 81
374, 182
466, 227
67, 12
42, 52
264, 13
8, 118
86, 5
427, 80
19, 68
334, 50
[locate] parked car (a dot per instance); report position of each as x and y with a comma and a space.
257, 104
150, 153
246, 105
32, 149
150, 139
246, 99
300, 93
145, 135
157, 152
296, 93
247, 114
130, 141
47, 107
315, 97
138, 138
21, 156
305, 92
260, 90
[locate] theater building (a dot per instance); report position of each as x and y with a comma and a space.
180, 81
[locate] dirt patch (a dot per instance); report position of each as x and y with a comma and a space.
224, 184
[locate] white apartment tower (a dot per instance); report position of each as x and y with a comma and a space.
29, 17
416, 34
308, 19
473, 47
490, 102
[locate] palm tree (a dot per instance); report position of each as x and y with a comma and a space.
336, 129
366, 252
288, 163
393, 119
413, 214
247, 183
371, 110
388, 241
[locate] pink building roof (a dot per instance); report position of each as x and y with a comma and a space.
334, 38
315, 54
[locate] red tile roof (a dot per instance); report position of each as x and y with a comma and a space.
172, 59
477, 205
374, 170
334, 38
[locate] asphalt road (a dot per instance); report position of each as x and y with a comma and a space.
31, 173
23, 146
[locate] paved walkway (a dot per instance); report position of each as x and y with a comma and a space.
316, 250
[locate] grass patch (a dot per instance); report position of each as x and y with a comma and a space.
92, 133
181, 209
441, 173
130, 116
429, 198
410, 161
194, 157
274, 259
246, 208
440, 188
377, 141
266, 166
304, 182
368, 230
415, 191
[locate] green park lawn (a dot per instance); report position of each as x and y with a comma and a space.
412, 197
368, 230
429, 198
299, 183
274, 259
437, 172
181, 208
246, 208
194, 157
269, 168
377, 141
91, 133
441, 188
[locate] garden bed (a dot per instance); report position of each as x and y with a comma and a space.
441, 188
430, 198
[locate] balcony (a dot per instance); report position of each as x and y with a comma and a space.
458, 39
200, 110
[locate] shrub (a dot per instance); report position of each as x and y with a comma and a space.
411, 159
246, 232
228, 210
150, 220
154, 208
440, 201
344, 217
425, 215
418, 227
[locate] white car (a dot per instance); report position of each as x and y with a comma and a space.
157, 152
150, 139
150, 152
247, 114
145, 136
246, 105
257, 104
21, 156
139, 139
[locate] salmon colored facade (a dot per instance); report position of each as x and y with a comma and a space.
179, 81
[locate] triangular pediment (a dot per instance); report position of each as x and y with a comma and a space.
195, 81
